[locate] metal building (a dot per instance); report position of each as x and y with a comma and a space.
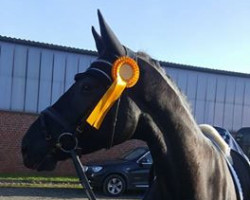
33, 75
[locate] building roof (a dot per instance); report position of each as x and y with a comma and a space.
94, 53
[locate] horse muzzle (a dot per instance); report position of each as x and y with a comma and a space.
37, 162
48, 163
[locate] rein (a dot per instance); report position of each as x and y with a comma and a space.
72, 150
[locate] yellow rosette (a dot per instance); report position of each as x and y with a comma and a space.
125, 73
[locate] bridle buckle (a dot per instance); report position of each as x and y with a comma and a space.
67, 142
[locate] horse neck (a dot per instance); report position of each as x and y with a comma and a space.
169, 130
159, 97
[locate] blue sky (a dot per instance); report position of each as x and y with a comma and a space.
209, 33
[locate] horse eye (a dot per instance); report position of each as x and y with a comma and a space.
85, 88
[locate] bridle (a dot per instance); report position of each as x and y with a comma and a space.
53, 114
106, 79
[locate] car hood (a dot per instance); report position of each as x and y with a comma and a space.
108, 162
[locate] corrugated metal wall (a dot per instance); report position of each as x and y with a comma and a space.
221, 100
33, 77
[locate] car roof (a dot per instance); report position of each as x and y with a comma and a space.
244, 130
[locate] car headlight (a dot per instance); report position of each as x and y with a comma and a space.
85, 168
96, 168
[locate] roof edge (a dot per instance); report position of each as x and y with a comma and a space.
202, 69
47, 45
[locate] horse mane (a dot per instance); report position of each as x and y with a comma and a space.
156, 65
151, 61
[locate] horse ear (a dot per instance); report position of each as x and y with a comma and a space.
110, 45
98, 41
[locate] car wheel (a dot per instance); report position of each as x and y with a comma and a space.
114, 185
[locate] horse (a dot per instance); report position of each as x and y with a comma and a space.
186, 163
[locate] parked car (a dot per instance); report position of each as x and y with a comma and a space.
243, 138
229, 139
116, 176
233, 143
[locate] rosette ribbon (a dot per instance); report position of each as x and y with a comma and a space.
125, 73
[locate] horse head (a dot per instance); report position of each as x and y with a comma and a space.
40, 144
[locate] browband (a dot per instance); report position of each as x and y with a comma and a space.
96, 72
100, 71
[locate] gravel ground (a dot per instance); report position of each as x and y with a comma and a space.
56, 194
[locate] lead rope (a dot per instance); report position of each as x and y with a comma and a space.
82, 176
71, 149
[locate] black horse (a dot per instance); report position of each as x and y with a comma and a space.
186, 164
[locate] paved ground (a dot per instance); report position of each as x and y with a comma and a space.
56, 194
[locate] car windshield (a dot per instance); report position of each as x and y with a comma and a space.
134, 154
222, 131
245, 130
